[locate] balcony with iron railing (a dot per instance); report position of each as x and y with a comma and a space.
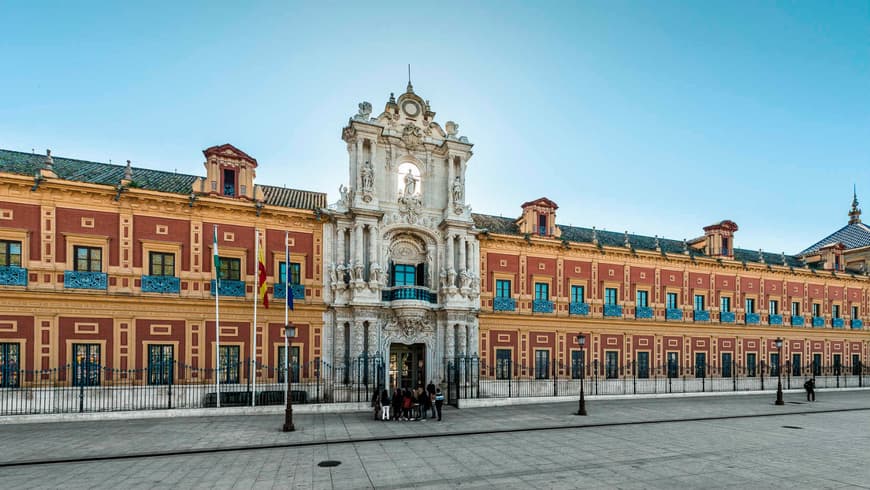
753, 318
857, 323
229, 288
701, 315
542, 306
643, 312
838, 323
13, 276
409, 293
818, 322
612, 310
85, 280
576, 308
797, 321
500, 303
727, 317
279, 291
774, 319
673, 314
161, 284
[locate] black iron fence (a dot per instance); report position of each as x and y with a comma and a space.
87, 387
470, 378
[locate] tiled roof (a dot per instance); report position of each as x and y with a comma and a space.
143, 178
507, 226
853, 235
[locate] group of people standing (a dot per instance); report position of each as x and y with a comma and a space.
408, 404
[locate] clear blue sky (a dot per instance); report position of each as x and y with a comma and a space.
656, 117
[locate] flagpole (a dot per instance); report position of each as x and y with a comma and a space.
254, 326
217, 320
286, 308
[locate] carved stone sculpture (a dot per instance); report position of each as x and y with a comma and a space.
464, 280
375, 275
410, 184
365, 110
457, 190
368, 181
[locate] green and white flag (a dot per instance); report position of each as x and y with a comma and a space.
217, 258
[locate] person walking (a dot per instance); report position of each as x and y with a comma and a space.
385, 405
810, 386
439, 401
430, 392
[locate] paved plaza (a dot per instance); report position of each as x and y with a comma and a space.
692, 442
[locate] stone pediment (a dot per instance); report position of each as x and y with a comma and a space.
229, 152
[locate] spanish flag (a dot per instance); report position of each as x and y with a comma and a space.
261, 278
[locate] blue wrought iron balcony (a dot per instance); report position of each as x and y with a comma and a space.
797, 321
857, 323
504, 304
13, 276
85, 280
818, 321
409, 293
643, 312
673, 314
578, 308
753, 318
229, 288
542, 306
727, 317
612, 310
280, 289
838, 323
775, 319
701, 316
161, 284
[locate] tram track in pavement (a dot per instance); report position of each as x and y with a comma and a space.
400, 437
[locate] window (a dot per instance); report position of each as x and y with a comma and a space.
503, 363
672, 301
160, 361
643, 298
229, 365
673, 365
9, 364
88, 259
295, 272
750, 365
726, 364
856, 364
795, 308
854, 313
816, 309
542, 224
578, 294
643, 365
10, 253
835, 311
725, 304
542, 364
773, 307
231, 269
404, 275
700, 364
817, 364
294, 364
229, 182
838, 363
577, 361
699, 302
750, 305
774, 363
502, 288
161, 264
542, 291
86, 364
724, 245
795, 364
610, 296
611, 364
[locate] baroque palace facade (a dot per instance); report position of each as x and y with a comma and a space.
114, 264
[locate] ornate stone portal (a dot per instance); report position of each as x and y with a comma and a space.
401, 257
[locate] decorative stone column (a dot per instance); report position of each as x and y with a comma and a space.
338, 342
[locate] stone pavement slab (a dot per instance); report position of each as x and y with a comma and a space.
74, 440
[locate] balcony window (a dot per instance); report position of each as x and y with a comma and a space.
161, 264
725, 304
699, 302
750, 305
610, 296
542, 291
854, 313
773, 307
231, 269
817, 308
88, 259
295, 272
643, 299
578, 294
672, 301
229, 183
835, 311
795, 308
542, 224
404, 275
10, 253
502, 288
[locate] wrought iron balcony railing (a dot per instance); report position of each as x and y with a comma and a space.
753, 318
818, 321
161, 284
13, 276
85, 280
838, 323
643, 312
701, 315
797, 321
727, 317
413, 293
612, 310
229, 288
857, 323
504, 304
542, 306
279, 291
578, 308
673, 314
775, 319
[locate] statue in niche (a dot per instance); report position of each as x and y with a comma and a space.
410, 184
358, 273
464, 279
342, 191
375, 274
333, 275
457, 190
443, 277
451, 277
368, 174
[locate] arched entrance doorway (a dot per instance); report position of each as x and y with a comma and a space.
407, 365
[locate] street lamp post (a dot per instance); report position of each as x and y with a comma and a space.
581, 408
289, 332
779, 372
